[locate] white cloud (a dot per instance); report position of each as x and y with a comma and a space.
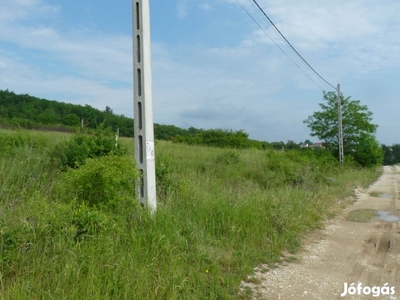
182, 9
26, 2
246, 84
350, 30
205, 6
13, 10
73, 67
253, 85
62, 87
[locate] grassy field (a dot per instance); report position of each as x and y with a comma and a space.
79, 233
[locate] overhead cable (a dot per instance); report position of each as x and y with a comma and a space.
280, 48
276, 28
286, 40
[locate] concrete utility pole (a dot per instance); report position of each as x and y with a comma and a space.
340, 136
143, 104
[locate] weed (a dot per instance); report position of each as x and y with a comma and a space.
228, 158
83, 145
163, 178
79, 234
106, 182
88, 221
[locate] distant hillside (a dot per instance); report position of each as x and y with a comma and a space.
34, 113
30, 112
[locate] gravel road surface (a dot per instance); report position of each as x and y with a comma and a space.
365, 256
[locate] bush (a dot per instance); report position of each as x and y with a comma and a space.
84, 145
106, 182
89, 222
221, 139
368, 152
19, 138
163, 171
228, 158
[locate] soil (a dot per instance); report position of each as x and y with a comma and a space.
364, 253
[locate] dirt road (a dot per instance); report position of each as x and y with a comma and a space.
364, 253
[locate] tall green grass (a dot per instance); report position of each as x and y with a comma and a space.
220, 213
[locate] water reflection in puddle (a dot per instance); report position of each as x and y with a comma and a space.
381, 195
384, 195
385, 216
362, 215
366, 215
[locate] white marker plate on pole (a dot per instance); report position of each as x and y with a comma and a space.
150, 150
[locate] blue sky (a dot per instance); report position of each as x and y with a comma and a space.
213, 67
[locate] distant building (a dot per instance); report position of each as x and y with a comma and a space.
303, 145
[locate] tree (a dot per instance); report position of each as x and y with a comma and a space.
392, 154
71, 120
358, 131
108, 110
308, 142
292, 145
368, 152
48, 116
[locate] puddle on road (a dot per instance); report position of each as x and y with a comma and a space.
380, 195
362, 215
385, 216
366, 215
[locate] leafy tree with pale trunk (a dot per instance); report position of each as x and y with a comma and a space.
358, 131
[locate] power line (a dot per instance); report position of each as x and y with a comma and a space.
272, 23
285, 39
258, 24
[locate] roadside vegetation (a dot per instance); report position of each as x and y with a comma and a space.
29, 112
71, 227
359, 141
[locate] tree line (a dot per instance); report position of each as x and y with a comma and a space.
392, 154
34, 113
360, 143
30, 112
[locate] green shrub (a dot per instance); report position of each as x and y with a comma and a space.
221, 139
106, 182
163, 178
74, 152
88, 221
11, 241
228, 158
75, 238
10, 140
368, 152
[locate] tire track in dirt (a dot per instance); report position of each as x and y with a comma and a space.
345, 251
